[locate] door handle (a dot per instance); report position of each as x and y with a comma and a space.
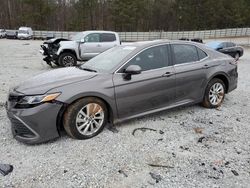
168, 74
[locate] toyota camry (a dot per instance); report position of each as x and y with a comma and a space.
124, 82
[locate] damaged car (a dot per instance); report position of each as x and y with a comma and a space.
122, 83
83, 46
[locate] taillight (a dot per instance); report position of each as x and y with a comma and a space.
233, 62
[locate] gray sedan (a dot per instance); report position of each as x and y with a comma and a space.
124, 82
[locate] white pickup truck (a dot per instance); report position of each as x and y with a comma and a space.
83, 46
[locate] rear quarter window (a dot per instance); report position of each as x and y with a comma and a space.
201, 54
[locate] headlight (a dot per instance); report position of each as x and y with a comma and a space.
31, 101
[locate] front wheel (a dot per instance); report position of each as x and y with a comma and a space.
67, 60
214, 94
85, 118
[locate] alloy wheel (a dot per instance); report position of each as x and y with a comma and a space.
90, 119
216, 94
68, 61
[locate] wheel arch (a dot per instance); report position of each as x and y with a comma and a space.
72, 101
222, 76
68, 51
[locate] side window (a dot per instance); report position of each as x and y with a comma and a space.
184, 53
230, 44
108, 37
152, 58
224, 45
201, 54
94, 37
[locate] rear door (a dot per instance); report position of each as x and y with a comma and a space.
108, 40
154, 88
190, 67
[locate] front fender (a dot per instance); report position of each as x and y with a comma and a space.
111, 104
68, 46
62, 49
99, 86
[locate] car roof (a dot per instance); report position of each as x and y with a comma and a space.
145, 44
24, 28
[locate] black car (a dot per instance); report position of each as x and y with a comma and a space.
228, 48
199, 40
11, 34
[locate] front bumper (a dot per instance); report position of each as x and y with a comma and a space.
34, 125
24, 37
49, 58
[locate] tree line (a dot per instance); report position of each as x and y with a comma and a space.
124, 15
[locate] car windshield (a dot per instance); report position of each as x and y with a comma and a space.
109, 59
23, 31
78, 36
214, 45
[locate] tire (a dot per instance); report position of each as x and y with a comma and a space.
237, 56
214, 93
80, 115
67, 60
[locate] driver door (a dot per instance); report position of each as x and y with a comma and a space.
154, 88
91, 46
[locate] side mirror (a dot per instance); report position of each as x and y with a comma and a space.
131, 70
219, 48
82, 41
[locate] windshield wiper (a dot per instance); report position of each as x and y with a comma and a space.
87, 69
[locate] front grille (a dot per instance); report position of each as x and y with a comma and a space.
20, 129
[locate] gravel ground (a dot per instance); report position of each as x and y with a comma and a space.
195, 147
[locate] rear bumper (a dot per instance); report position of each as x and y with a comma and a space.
233, 80
34, 125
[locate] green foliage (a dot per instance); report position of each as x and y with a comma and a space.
125, 15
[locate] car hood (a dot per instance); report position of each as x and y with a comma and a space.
55, 40
68, 44
44, 82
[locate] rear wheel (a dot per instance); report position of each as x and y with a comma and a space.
85, 118
67, 60
214, 94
